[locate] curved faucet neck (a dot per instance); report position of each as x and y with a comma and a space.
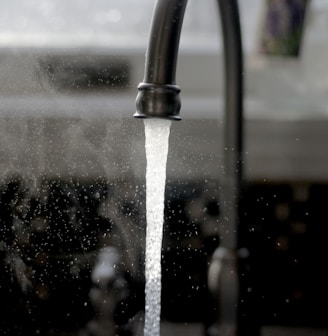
164, 39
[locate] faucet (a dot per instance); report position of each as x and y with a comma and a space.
159, 97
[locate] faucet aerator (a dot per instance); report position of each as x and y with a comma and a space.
158, 101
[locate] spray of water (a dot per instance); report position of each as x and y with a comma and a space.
157, 134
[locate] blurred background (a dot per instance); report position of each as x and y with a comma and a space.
72, 168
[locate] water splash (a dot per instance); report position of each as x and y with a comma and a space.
157, 133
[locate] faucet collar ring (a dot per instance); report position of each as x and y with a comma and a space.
158, 101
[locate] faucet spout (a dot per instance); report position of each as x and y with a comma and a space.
158, 93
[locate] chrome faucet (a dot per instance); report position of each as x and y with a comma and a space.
158, 97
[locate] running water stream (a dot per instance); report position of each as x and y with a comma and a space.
157, 137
